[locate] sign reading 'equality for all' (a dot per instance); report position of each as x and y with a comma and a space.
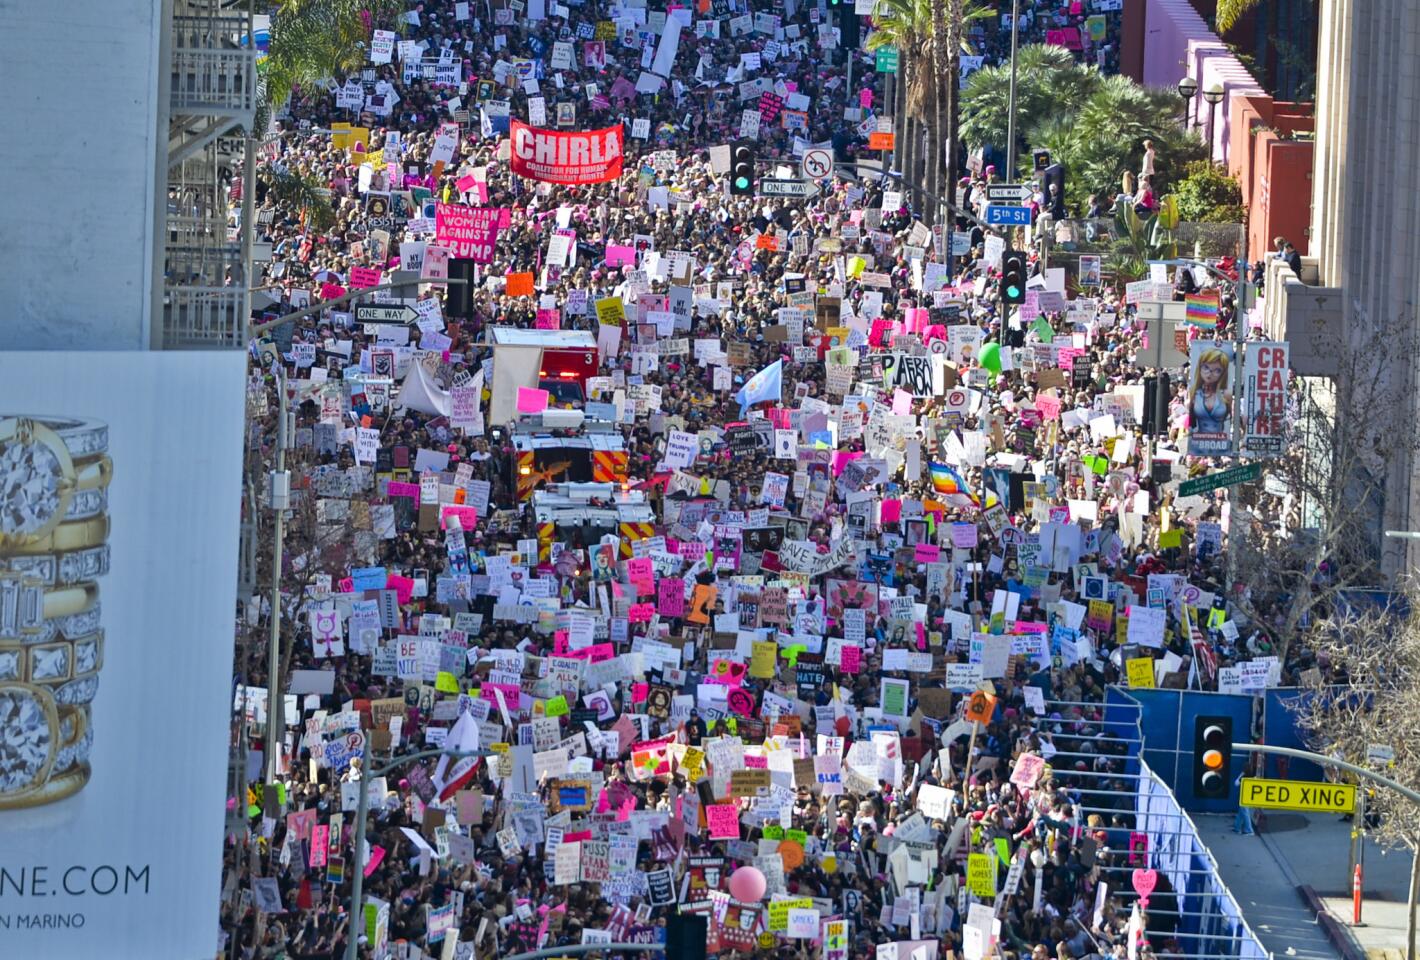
1223, 478
1298, 795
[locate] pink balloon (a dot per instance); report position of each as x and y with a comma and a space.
747, 884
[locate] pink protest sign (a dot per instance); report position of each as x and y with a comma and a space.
851, 659
641, 612
1027, 771
377, 857
723, 820
926, 553
964, 535
1144, 882
468, 516
398, 489
464, 231
363, 277
670, 597
549, 319
532, 400
1048, 407
466, 183
403, 587
618, 255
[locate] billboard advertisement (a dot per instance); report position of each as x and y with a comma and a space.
120, 490
557, 156
1210, 399
1265, 378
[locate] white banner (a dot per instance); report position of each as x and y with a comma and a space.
100, 849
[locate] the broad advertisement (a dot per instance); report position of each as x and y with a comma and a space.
120, 494
1210, 399
558, 156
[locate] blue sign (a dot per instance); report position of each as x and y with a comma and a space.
1002, 215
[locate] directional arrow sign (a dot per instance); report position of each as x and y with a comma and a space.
998, 214
817, 164
1223, 478
1007, 192
385, 313
787, 188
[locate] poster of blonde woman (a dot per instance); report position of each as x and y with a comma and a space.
1210, 399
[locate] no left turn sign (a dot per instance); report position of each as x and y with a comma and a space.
817, 164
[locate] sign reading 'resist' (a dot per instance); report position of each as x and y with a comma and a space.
558, 156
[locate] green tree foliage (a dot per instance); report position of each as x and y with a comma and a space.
1093, 123
313, 40
1207, 195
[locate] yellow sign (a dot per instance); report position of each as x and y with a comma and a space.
1298, 795
779, 911
761, 659
693, 764
1141, 672
981, 874
611, 312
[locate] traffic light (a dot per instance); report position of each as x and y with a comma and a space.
849, 26
742, 168
459, 299
1212, 757
686, 936
1013, 277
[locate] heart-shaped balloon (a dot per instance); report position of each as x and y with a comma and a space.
1144, 882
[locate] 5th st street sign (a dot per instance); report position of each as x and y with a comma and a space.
1223, 478
1001, 215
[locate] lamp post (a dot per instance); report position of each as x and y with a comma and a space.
1187, 90
362, 808
1214, 96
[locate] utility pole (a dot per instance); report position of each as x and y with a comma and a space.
362, 810
1011, 117
280, 493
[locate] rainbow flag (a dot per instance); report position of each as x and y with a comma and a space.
1201, 309
947, 481
952, 487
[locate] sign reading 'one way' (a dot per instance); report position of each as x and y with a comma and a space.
787, 188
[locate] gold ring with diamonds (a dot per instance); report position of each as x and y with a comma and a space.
53, 663
26, 606
60, 569
34, 741
82, 437
74, 535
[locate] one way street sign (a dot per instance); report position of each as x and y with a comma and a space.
1007, 192
787, 188
385, 313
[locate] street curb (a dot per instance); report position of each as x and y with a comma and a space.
1335, 932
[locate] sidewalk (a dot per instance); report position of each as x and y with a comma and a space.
1296, 849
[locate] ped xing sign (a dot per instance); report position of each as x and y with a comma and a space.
1310, 797
1223, 478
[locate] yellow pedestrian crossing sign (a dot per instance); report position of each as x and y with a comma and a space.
1308, 796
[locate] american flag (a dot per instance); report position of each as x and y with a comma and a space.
1202, 650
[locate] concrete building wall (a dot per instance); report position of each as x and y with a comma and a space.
1366, 215
76, 235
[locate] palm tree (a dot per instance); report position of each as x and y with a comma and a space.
314, 40
1092, 123
928, 35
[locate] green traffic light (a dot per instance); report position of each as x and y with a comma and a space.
1013, 291
741, 182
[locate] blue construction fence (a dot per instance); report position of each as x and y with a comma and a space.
1206, 919
1166, 724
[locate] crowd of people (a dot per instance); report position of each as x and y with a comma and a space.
893, 537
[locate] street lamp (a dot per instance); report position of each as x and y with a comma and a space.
362, 808
1214, 96
1187, 89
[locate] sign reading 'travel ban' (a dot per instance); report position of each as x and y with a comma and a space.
1298, 795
